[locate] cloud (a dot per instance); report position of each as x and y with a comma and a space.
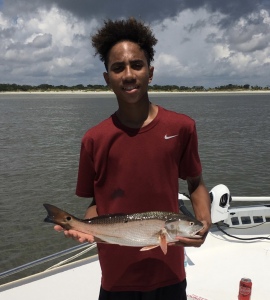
201, 42
250, 34
45, 46
42, 41
202, 53
150, 10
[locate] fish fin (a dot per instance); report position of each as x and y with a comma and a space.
196, 236
163, 243
98, 240
146, 248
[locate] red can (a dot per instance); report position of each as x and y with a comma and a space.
245, 289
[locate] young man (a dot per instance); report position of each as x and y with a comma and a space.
131, 163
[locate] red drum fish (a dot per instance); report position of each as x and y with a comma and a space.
147, 230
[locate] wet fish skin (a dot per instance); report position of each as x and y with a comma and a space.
148, 230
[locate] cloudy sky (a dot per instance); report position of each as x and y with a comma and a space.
200, 42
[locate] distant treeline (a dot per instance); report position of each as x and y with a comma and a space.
5, 87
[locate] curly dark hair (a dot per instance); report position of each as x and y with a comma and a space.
123, 30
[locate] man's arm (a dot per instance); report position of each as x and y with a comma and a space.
202, 208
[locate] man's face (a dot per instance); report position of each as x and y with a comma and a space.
128, 72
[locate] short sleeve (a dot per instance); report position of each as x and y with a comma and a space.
190, 164
86, 172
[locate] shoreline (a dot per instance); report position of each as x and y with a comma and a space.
150, 92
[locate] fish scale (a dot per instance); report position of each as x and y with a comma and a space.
142, 232
133, 233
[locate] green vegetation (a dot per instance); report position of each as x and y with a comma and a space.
5, 87
50, 88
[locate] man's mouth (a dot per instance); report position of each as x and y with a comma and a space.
130, 88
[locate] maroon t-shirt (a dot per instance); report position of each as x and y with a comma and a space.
137, 170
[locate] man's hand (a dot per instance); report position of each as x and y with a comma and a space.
75, 235
202, 208
194, 242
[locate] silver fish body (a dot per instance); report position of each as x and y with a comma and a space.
148, 229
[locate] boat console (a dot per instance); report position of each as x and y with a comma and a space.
236, 217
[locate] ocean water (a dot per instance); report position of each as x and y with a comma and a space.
40, 138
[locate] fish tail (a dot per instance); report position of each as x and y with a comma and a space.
58, 216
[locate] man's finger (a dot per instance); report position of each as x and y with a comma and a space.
58, 228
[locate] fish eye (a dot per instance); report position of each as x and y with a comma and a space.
191, 223
172, 226
68, 218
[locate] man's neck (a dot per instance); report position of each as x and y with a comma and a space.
137, 116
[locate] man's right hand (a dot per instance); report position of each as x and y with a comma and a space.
75, 235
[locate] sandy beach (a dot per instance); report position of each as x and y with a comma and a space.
150, 92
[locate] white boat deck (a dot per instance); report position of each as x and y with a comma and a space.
213, 273
213, 270
77, 280
223, 261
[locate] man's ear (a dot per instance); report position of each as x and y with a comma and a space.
106, 77
151, 74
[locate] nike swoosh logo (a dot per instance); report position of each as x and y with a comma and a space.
167, 137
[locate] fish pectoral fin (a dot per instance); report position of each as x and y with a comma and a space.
146, 248
163, 242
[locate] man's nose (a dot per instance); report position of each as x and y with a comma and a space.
128, 74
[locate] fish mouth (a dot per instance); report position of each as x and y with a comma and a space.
195, 234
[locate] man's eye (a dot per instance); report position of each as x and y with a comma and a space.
137, 66
117, 68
